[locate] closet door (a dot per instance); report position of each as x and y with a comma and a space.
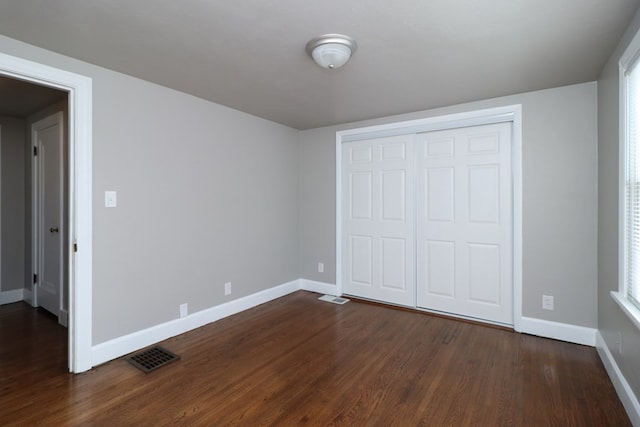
464, 222
378, 219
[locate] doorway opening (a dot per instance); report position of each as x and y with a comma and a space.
78, 239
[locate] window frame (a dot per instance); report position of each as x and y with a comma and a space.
629, 59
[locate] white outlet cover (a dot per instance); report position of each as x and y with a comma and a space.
547, 302
227, 288
321, 267
184, 310
619, 343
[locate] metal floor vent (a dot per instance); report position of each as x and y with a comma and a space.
332, 299
151, 359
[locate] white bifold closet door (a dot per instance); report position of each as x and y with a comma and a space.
379, 219
464, 222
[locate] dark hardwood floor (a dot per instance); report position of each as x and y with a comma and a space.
300, 361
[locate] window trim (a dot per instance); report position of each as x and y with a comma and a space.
627, 308
628, 59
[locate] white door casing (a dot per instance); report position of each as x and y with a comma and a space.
464, 226
80, 194
47, 136
379, 219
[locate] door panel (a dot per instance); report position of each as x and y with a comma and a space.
394, 262
393, 195
378, 238
361, 254
484, 194
484, 268
440, 191
361, 203
439, 262
464, 226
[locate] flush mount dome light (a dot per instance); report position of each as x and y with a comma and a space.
331, 50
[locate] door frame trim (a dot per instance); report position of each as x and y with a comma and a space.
509, 113
80, 100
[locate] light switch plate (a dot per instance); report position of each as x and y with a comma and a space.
110, 199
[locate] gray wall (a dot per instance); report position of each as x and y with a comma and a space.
12, 202
611, 320
206, 195
559, 206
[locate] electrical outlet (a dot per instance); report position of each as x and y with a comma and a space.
227, 288
547, 302
184, 310
619, 343
321, 267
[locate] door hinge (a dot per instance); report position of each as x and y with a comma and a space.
35, 278
35, 151
75, 247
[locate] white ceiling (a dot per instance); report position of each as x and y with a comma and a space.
412, 54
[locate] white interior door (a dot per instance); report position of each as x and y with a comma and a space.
464, 211
378, 220
47, 138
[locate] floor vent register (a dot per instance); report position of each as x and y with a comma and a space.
333, 299
152, 359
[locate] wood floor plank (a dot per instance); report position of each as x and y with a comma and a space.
300, 361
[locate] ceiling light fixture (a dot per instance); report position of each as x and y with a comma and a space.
331, 50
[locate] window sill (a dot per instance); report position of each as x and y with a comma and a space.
629, 309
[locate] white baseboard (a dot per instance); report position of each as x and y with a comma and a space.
543, 328
121, 346
558, 331
319, 287
9, 297
625, 393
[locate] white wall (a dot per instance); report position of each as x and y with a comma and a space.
559, 198
206, 195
